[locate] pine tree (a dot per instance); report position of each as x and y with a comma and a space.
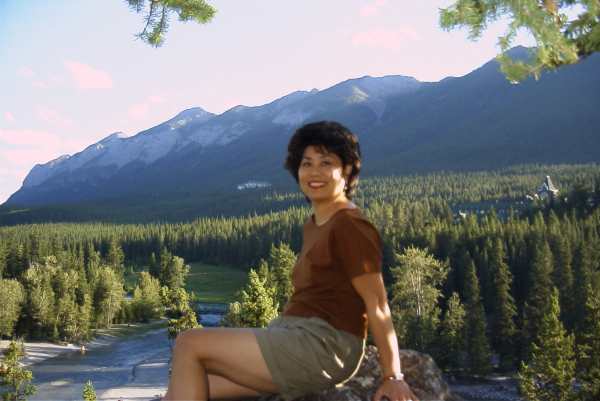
41, 300
263, 271
15, 381
187, 320
589, 351
146, 298
541, 289
65, 283
460, 261
281, 262
173, 270
485, 275
255, 306
108, 295
502, 323
89, 394
582, 264
13, 298
478, 348
3, 257
563, 277
560, 40
84, 317
452, 335
154, 266
115, 257
418, 279
156, 20
92, 259
17, 262
549, 374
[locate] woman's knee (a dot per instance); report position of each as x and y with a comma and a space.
188, 341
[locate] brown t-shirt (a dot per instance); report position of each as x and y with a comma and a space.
345, 246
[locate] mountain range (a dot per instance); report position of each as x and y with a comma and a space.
475, 122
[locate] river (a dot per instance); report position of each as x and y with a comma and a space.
136, 368
113, 365
138, 361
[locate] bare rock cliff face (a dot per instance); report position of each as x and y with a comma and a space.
420, 372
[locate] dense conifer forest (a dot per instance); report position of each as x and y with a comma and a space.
486, 277
461, 190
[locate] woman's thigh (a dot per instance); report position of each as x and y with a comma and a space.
231, 353
220, 388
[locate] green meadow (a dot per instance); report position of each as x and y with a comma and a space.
215, 283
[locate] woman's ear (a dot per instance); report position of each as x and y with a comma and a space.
347, 171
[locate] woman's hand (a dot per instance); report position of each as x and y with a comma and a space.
394, 390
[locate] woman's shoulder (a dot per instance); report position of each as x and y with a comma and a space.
352, 220
355, 237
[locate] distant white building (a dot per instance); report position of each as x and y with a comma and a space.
253, 184
546, 191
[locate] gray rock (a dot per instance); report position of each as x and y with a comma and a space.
420, 372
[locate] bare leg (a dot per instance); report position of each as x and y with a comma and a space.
222, 388
233, 354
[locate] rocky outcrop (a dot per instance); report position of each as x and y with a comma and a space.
420, 372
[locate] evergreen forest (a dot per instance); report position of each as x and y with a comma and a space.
496, 281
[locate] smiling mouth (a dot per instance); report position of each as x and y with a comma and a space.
320, 185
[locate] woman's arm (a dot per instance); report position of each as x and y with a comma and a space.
372, 290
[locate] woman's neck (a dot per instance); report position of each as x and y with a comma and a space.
324, 211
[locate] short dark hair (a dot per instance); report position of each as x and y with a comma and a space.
334, 138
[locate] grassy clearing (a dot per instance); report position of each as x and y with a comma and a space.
213, 283
124, 329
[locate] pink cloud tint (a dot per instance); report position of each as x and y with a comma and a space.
27, 137
140, 110
372, 9
88, 77
53, 117
26, 158
26, 72
32, 146
8, 116
385, 38
40, 84
53, 81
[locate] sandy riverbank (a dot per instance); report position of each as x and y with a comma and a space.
149, 378
150, 382
38, 351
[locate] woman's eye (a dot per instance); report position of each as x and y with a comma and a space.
306, 164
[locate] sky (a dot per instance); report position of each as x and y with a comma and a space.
73, 72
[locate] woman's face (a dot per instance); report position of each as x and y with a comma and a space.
321, 177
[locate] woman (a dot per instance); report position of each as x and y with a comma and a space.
319, 340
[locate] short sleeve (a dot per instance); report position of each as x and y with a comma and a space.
356, 247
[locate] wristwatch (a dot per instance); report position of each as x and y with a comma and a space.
398, 377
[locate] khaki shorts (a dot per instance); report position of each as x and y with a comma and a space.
306, 355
